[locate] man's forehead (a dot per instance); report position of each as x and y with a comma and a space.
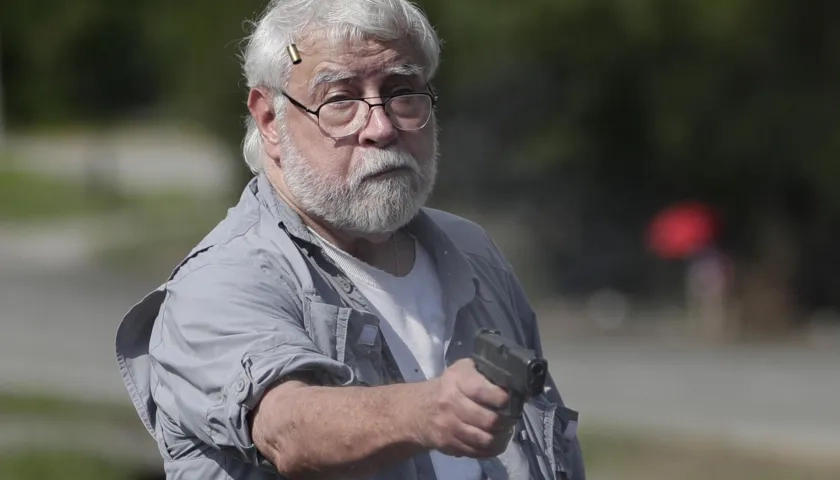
349, 50
359, 59
332, 72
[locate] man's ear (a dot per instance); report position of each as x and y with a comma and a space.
261, 106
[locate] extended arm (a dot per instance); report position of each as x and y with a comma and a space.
316, 432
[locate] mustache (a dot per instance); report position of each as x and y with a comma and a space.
380, 161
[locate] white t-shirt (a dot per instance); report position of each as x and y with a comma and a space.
414, 325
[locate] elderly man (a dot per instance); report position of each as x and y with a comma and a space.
324, 328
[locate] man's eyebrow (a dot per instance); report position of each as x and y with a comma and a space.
407, 70
328, 76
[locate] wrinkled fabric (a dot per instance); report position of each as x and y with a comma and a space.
257, 301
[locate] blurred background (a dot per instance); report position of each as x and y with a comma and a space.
663, 175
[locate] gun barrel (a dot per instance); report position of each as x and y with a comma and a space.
510, 366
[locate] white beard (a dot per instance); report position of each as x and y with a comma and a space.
360, 204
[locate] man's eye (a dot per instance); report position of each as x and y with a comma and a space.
401, 91
339, 97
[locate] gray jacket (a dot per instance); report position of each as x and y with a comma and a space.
257, 300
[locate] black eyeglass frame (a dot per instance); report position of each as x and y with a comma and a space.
385, 100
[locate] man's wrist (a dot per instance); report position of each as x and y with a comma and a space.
415, 416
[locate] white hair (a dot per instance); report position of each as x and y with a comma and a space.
267, 64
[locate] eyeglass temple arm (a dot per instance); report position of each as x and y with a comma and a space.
432, 92
313, 112
299, 105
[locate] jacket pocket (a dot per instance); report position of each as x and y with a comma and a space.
363, 349
326, 325
348, 336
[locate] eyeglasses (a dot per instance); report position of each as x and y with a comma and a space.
345, 116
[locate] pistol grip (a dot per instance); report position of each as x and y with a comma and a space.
514, 407
498, 377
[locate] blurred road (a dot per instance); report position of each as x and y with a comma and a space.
57, 330
782, 399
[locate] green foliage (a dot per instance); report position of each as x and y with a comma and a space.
689, 93
700, 95
607, 108
93, 60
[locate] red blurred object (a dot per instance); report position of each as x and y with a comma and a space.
682, 230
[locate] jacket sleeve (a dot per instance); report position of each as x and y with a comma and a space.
225, 334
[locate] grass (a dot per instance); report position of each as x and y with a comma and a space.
26, 196
46, 408
31, 196
62, 465
620, 455
609, 455
59, 460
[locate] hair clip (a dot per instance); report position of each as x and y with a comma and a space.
294, 54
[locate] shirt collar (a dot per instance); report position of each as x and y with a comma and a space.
456, 273
285, 215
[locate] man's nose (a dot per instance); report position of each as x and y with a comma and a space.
379, 131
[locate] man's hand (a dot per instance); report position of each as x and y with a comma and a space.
458, 414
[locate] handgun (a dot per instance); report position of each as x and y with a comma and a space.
510, 366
